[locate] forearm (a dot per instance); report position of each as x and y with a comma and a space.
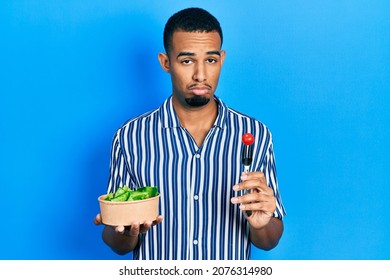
267, 237
118, 242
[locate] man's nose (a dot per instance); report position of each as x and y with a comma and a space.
200, 73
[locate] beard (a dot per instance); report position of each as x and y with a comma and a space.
197, 101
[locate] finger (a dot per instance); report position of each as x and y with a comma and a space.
253, 176
145, 227
251, 198
148, 224
264, 189
134, 230
158, 220
251, 184
120, 229
98, 219
266, 208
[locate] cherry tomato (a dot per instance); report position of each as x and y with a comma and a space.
248, 139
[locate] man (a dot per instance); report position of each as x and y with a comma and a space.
190, 148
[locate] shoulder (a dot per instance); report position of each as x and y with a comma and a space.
236, 118
136, 123
239, 123
139, 120
250, 123
149, 120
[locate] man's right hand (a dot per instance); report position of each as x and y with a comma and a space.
123, 239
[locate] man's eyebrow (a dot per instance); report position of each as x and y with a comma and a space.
185, 54
193, 54
214, 52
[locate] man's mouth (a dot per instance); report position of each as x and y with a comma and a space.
200, 90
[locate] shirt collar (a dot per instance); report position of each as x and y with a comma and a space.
169, 118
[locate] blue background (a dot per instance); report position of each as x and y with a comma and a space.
317, 73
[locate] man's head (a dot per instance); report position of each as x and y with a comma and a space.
190, 20
193, 57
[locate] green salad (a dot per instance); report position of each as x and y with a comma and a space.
126, 194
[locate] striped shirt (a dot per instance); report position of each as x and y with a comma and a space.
195, 183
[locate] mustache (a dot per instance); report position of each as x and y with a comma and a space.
199, 85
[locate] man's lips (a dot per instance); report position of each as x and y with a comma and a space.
200, 90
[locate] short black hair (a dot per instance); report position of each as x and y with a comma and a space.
190, 20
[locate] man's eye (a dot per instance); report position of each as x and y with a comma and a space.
186, 61
211, 60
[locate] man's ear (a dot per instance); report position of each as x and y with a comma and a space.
164, 61
223, 55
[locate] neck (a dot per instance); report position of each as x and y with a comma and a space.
197, 120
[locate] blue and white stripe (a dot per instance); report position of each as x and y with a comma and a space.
195, 182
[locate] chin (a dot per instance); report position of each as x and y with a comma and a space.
197, 101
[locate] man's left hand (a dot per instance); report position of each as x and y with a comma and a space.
259, 199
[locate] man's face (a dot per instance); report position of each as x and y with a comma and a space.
194, 62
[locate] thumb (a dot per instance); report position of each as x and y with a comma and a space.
120, 229
97, 220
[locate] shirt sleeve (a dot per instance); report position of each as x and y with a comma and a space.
269, 169
119, 174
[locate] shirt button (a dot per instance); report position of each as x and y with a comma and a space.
196, 197
195, 242
197, 155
